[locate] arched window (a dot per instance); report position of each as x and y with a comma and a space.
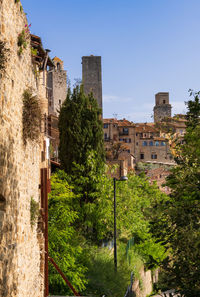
150, 143
144, 143
156, 143
58, 66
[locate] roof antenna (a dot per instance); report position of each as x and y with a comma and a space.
115, 115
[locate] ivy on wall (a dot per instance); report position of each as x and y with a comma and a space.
31, 116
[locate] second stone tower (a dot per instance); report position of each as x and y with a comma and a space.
92, 77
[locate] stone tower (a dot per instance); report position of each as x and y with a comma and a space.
57, 86
162, 109
91, 77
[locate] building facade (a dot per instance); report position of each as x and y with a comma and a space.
147, 142
56, 86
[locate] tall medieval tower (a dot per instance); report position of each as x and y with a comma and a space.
162, 109
91, 77
57, 86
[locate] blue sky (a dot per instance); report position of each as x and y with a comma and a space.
147, 46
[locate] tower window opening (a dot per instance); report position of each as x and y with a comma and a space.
58, 66
164, 101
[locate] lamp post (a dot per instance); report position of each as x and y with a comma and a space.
123, 178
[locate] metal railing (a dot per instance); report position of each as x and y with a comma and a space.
63, 276
129, 292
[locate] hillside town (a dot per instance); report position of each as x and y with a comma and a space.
34, 175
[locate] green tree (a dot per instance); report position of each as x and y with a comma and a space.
81, 153
180, 219
81, 131
64, 241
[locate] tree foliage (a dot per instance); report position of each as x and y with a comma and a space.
81, 131
64, 245
77, 247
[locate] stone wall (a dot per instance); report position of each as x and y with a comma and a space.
57, 85
21, 246
144, 286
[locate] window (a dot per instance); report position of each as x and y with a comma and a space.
144, 143
125, 131
163, 143
164, 101
58, 66
141, 156
181, 132
156, 143
105, 136
59, 102
121, 139
105, 126
136, 143
150, 143
129, 140
153, 156
136, 134
128, 151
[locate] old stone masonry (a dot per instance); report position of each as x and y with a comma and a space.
22, 157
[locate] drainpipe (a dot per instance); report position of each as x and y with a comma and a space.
45, 64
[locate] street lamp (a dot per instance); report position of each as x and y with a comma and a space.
122, 178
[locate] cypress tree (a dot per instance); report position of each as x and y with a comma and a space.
81, 130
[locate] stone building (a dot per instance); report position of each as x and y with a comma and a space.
150, 146
23, 166
162, 108
56, 86
92, 77
143, 141
122, 131
57, 92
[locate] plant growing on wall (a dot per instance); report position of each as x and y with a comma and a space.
33, 51
34, 211
31, 116
23, 38
3, 56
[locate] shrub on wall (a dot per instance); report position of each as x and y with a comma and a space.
31, 117
3, 56
34, 212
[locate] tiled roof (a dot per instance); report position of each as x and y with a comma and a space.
57, 59
120, 123
145, 128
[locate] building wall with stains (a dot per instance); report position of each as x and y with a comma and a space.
57, 86
21, 245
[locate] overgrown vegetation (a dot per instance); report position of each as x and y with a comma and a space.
34, 212
31, 116
3, 56
77, 245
